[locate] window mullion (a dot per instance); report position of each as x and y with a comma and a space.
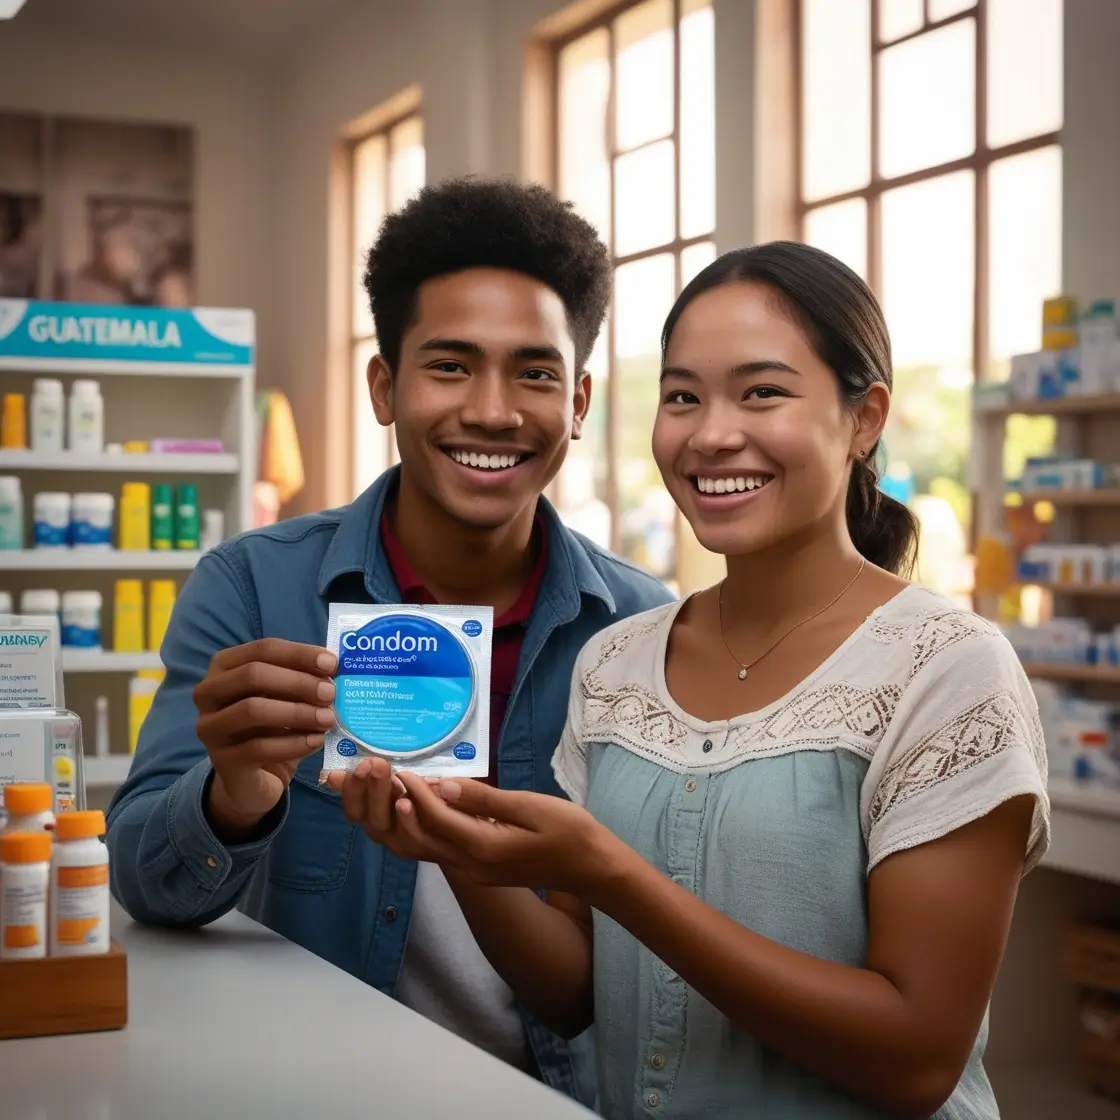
980, 332
874, 232
613, 388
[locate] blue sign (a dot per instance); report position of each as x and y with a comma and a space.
60, 332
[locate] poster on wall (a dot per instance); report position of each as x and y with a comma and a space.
21, 244
138, 251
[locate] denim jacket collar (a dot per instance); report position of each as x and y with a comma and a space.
570, 573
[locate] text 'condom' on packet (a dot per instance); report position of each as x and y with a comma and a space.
412, 687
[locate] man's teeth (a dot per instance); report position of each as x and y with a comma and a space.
731, 485
485, 462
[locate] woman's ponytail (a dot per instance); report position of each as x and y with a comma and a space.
882, 529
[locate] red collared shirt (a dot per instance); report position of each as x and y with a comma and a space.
509, 628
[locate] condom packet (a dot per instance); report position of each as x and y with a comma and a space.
412, 686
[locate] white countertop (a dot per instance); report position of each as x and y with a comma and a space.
234, 1021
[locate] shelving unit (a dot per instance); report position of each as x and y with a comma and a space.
192, 368
1033, 1021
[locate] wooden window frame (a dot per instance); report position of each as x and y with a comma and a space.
604, 19
979, 163
354, 339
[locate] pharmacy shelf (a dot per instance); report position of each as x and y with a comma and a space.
1084, 829
1046, 1092
1058, 406
1099, 590
105, 772
132, 462
1104, 497
107, 661
95, 560
1082, 674
101, 367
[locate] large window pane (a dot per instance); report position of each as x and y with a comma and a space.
842, 231
928, 240
695, 259
368, 191
643, 294
943, 9
836, 91
1024, 247
644, 202
406, 161
898, 18
644, 73
585, 169
928, 270
928, 100
1024, 69
698, 119
371, 440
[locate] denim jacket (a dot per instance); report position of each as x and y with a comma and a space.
315, 878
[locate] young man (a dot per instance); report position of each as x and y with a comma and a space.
487, 298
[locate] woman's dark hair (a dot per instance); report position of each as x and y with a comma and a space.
844, 324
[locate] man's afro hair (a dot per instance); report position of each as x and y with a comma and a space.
486, 223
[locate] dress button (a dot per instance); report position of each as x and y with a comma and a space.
389, 913
707, 745
690, 786
653, 1100
657, 1061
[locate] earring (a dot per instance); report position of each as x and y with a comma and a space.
862, 453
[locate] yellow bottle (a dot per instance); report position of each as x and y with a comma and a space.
13, 421
128, 616
161, 598
136, 517
141, 692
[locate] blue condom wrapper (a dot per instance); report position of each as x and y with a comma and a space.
412, 687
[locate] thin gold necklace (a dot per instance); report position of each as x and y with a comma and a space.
743, 667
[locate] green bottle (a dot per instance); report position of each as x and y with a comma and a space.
163, 531
186, 517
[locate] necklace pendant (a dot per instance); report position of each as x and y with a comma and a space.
743, 673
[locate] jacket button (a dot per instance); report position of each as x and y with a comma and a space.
707, 745
389, 913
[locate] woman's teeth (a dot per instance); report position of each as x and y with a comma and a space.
485, 462
731, 485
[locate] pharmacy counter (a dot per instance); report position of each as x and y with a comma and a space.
234, 1021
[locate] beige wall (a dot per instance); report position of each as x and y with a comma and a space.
49, 71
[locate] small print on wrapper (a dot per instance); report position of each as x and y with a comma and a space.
412, 687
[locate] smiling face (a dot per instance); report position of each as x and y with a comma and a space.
486, 398
753, 438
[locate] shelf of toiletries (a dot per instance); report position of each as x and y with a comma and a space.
107, 771
1076, 371
105, 560
76, 660
139, 462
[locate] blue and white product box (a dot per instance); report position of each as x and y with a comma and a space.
30, 662
44, 745
412, 687
37, 331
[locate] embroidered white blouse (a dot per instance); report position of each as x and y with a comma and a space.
922, 721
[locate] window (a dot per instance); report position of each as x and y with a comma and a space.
386, 169
635, 108
931, 165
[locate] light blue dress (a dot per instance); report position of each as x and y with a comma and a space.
921, 722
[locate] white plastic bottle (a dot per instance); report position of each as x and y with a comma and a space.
29, 806
79, 886
11, 512
87, 418
91, 521
48, 415
81, 619
52, 519
5, 608
25, 876
40, 600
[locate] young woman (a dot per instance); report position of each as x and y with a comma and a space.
801, 800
